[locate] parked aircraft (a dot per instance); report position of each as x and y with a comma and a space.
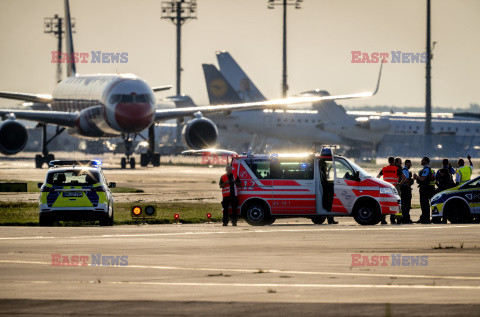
113, 105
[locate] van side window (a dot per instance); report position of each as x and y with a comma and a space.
293, 170
326, 167
261, 168
343, 169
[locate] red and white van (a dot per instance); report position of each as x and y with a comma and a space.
311, 185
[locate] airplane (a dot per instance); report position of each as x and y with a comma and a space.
114, 105
326, 122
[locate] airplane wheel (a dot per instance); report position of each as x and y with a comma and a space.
123, 163
143, 159
49, 158
156, 159
132, 163
38, 161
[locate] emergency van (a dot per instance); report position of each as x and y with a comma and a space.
311, 185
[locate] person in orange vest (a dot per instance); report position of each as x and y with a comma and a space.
391, 174
229, 184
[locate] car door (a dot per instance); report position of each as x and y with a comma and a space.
344, 194
294, 187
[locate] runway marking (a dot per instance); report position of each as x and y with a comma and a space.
156, 267
187, 233
417, 286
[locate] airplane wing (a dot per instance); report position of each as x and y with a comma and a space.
167, 114
65, 119
26, 97
161, 88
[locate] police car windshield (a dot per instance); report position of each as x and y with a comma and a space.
73, 178
361, 171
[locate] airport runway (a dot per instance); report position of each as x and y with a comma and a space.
289, 267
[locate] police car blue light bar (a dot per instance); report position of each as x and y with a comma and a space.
326, 152
93, 163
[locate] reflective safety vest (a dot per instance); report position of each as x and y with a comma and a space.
390, 174
465, 172
226, 189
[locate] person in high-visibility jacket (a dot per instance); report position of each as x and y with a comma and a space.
391, 174
464, 173
229, 183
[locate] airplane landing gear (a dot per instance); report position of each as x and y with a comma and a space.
150, 156
46, 157
128, 142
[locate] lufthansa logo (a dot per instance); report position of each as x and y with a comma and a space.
218, 87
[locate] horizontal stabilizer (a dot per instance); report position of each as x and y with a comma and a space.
161, 88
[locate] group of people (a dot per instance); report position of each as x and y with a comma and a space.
428, 182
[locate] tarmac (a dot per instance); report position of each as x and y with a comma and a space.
292, 267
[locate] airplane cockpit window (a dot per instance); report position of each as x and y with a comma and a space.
126, 98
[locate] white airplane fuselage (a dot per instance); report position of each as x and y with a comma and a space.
108, 105
308, 127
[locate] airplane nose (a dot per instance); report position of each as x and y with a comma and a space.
134, 117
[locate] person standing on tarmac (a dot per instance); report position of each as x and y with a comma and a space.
229, 185
444, 176
406, 193
426, 184
391, 174
464, 172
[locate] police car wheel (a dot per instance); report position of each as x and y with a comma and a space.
457, 212
256, 214
318, 220
45, 220
367, 214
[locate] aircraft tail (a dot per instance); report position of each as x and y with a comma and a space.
218, 88
71, 69
238, 79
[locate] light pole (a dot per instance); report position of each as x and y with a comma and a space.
179, 11
56, 27
284, 3
428, 88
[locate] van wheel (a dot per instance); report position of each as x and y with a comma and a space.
270, 221
45, 220
367, 214
457, 212
256, 214
318, 220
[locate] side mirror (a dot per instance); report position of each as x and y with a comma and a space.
39, 185
112, 185
356, 176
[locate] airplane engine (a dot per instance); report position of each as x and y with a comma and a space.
373, 123
13, 137
200, 133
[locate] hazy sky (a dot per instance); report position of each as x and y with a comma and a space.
321, 37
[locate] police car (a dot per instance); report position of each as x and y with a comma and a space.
75, 190
458, 204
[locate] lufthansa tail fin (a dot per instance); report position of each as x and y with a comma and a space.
71, 69
219, 90
234, 74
